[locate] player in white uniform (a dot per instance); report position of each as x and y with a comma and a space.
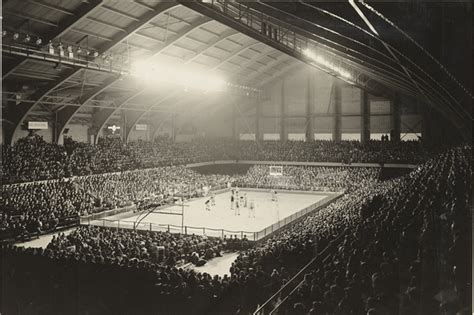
208, 205
237, 208
251, 209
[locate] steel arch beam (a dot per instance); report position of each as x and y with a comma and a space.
100, 118
64, 26
274, 63
223, 37
134, 117
251, 61
187, 30
64, 116
137, 25
236, 53
17, 113
161, 8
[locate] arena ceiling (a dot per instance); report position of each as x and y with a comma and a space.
105, 38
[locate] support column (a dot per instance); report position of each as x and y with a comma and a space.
395, 125
258, 115
283, 131
365, 116
235, 136
173, 128
123, 127
336, 132
309, 107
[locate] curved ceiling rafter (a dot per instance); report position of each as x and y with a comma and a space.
374, 63
130, 30
433, 90
344, 48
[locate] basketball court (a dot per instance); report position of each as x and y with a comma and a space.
221, 219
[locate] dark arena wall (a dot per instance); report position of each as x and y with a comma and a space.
214, 157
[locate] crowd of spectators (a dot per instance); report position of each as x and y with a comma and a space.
403, 249
343, 179
406, 251
31, 158
150, 186
163, 248
35, 208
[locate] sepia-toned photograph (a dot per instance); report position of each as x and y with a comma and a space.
197, 157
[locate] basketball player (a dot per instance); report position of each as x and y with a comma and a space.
242, 200
276, 196
232, 202
213, 199
237, 208
251, 209
208, 205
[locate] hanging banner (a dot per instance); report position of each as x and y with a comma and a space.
37, 125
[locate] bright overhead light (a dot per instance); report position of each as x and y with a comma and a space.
192, 79
309, 53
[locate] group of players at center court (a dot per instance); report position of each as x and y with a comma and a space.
238, 201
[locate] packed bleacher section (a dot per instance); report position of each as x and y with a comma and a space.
147, 187
40, 207
31, 158
404, 249
162, 248
344, 179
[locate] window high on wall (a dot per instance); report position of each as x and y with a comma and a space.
378, 136
297, 136
323, 136
350, 136
410, 136
271, 136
